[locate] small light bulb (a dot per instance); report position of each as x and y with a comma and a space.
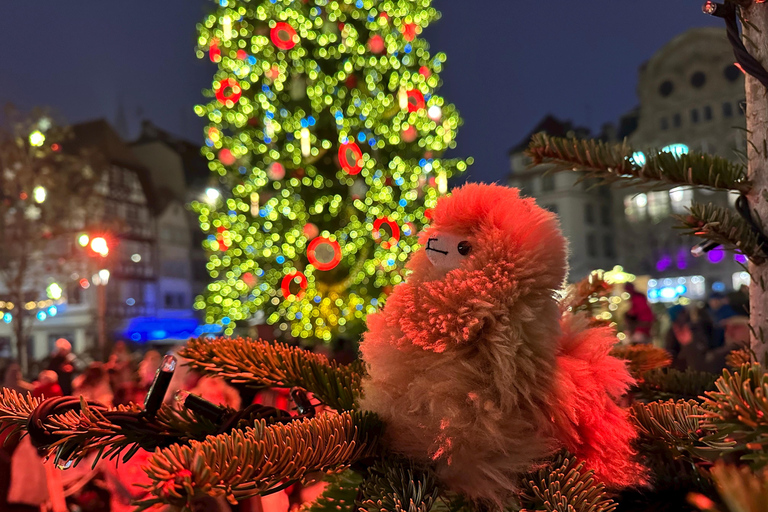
435, 113
39, 194
212, 194
36, 138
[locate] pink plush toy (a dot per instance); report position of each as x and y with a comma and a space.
474, 367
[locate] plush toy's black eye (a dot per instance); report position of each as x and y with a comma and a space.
464, 248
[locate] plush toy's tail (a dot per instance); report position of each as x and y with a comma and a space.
586, 418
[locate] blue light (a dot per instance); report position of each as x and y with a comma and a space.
7, 318
399, 181
361, 137
53, 311
41, 315
638, 157
407, 48
390, 262
283, 112
317, 299
208, 142
281, 259
226, 320
267, 139
158, 334
242, 169
371, 142
299, 316
260, 272
304, 123
359, 4
130, 301
311, 120
136, 336
676, 149
223, 3
252, 60
718, 286
268, 114
374, 301
423, 162
359, 307
402, 202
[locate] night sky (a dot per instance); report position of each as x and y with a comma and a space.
507, 66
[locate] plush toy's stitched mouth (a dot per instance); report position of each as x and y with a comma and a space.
432, 248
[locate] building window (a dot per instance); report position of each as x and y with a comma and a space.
636, 207
666, 88
589, 214
698, 79
731, 73
695, 115
677, 120
591, 245
608, 246
707, 113
548, 183
727, 109
680, 198
664, 123
658, 204
605, 214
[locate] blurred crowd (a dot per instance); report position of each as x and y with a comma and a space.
698, 335
30, 483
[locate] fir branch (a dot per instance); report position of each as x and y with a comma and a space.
394, 486
255, 461
724, 226
738, 358
108, 432
668, 383
583, 295
260, 364
339, 494
741, 489
676, 424
613, 162
565, 486
737, 415
642, 358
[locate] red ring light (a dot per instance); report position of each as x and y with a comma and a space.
392, 226
351, 158
415, 100
312, 254
282, 35
286, 285
228, 83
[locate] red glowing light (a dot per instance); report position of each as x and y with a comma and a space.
100, 246
409, 134
283, 35
55, 147
242, 55
221, 91
226, 157
415, 100
351, 158
214, 53
409, 31
297, 277
376, 44
425, 72
393, 227
327, 245
84, 284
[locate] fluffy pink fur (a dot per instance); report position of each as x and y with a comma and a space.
470, 369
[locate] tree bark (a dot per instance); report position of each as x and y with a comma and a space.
755, 33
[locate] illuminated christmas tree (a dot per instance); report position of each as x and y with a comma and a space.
325, 133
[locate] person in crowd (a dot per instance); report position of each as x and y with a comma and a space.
120, 365
720, 311
47, 385
93, 384
639, 317
739, 300
63, 363
685, 341
12, 379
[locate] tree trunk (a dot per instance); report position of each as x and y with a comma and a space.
756, 41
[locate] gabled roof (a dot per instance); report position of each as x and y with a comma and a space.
196, 172
552, 126
99, 136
